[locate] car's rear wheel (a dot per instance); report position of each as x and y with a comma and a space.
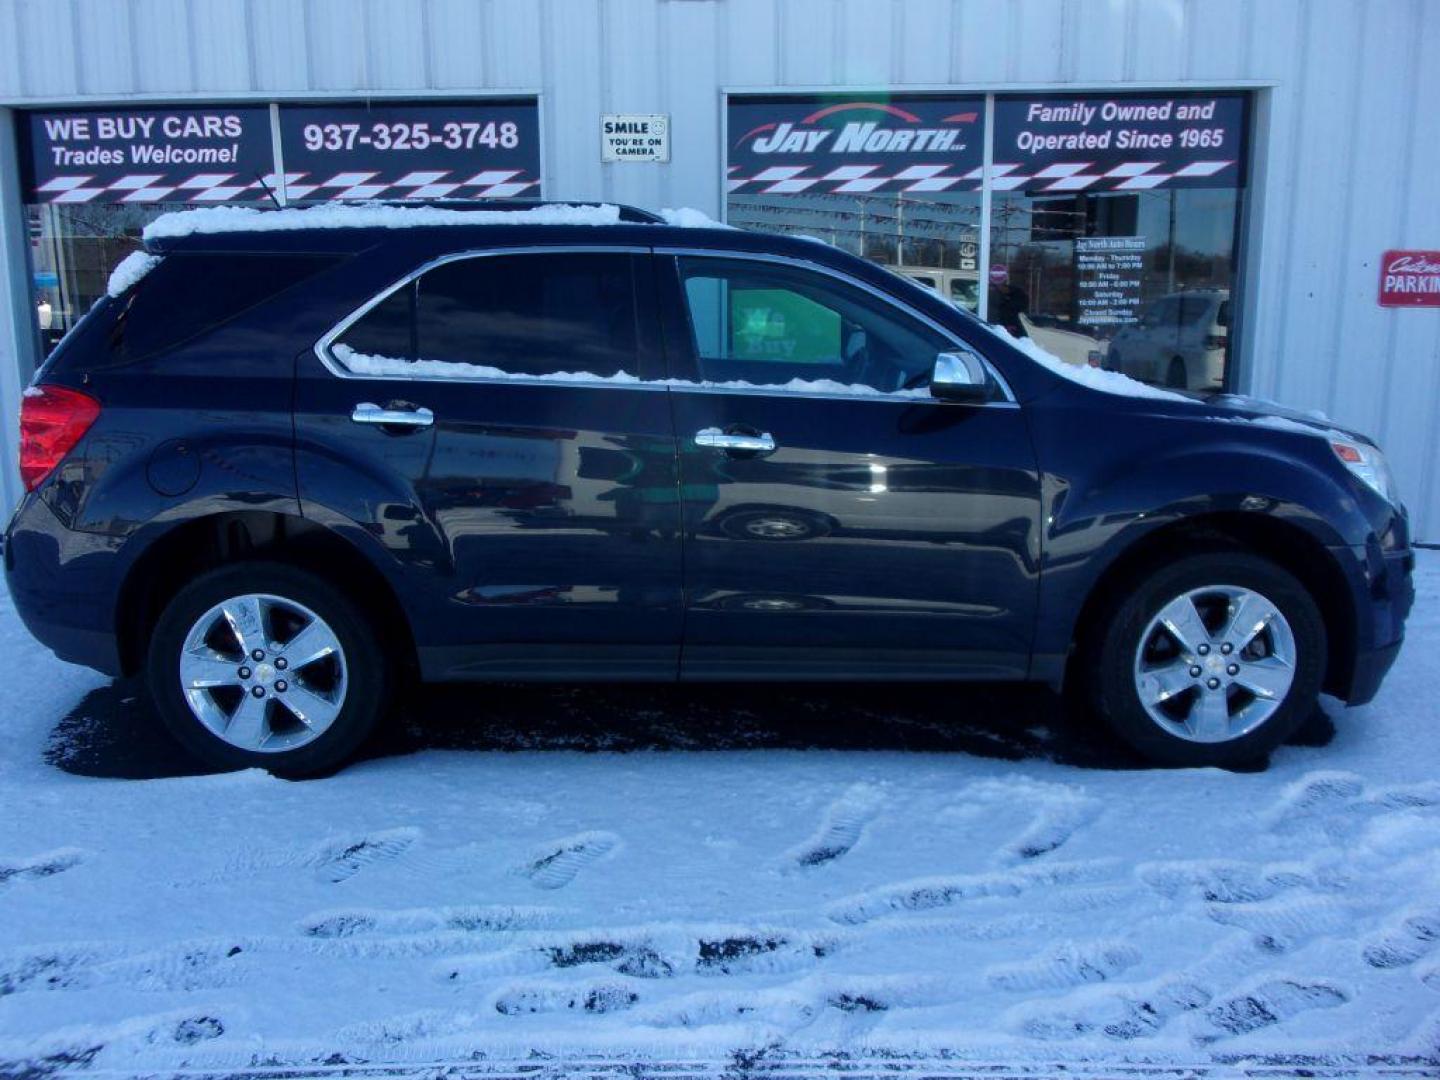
1214, 659
265, 665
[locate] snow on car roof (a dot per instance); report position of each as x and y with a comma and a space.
242, 219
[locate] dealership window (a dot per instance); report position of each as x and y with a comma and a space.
94, 178
1111, 232
893, 179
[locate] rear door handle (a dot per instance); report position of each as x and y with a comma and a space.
367, 412
763, 443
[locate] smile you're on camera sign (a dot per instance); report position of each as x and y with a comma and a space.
635, 137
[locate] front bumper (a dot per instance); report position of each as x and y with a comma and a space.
1383, 607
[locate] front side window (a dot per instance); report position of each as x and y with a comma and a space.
772, 325
531, 315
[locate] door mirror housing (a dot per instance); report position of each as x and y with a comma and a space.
960, 376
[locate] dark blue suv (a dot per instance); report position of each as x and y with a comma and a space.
300, 456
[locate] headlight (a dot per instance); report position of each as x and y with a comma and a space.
1369, 466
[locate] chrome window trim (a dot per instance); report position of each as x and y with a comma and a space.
340, 371
880, 294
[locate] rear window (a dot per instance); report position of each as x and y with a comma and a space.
185, 296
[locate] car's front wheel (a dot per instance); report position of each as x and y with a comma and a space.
262, 664
1214, 659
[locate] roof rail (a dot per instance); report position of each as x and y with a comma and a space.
632, 214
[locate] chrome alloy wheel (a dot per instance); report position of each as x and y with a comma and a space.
263, 673
777, 527
1215, 663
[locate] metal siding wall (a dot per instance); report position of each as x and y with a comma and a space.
1345, 158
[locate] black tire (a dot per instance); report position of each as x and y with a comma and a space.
367, 667
1175, 377
1112, 660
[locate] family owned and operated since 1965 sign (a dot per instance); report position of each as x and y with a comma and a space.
1058, 144
147, 155
221, 154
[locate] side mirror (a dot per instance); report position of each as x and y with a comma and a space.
959, 376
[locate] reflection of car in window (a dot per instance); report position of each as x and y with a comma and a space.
1180, 340
960, 287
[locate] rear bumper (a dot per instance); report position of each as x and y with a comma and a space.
60, 582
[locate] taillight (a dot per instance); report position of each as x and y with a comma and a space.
52, 420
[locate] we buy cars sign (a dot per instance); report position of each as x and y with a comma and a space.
1410, 279
854, 146
200, 155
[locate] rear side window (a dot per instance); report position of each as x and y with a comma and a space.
530, 315
186, 296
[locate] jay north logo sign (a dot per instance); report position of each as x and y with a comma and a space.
857, 136
794, 145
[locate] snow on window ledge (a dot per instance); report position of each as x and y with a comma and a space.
130, 270
359, 363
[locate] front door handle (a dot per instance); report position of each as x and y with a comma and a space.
367, 412
763, 443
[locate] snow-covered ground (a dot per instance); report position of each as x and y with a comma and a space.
880, 909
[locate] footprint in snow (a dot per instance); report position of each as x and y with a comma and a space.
1411, 939
340, 861
1269, 1004
842, 828
41, 866
1134, 1013
1225, 882
1066, 966
591, 998
1280, 925
558, 867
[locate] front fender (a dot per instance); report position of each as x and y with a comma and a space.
1104, 496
